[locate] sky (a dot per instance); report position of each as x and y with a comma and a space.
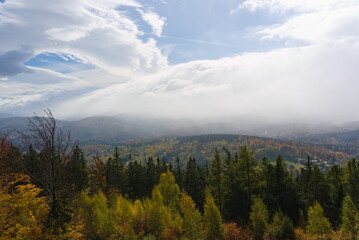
273, 60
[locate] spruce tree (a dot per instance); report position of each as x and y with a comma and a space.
336, 186
115, 173
178, 173
194, 182
216, 178
76, 171
247, 179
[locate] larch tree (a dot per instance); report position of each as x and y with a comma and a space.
317, 222
350, 218
169, 190
191, 224
212, 219
259, 218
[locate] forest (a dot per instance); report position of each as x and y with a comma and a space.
50, 190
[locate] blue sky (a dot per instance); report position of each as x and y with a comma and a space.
274, 60
192, 28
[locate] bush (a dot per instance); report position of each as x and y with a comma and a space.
232, 232
280, 228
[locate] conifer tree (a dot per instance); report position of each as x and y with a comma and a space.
281, 227
191, 224
247, 179
178, 173
354, 185
232, 190
169, 190
115, 175
76, 171
279, 190
314, 187
336, 186
350, 218
194, 182
212, 219
135, 180
32, 165
216, 178
317, 222
97, 175
152, 175
259, 218
158, 215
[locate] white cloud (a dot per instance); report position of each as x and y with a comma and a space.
38, 87
154, 20
313, 83
96, 31
295, 5
307, 20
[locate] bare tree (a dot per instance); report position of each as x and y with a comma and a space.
54, 147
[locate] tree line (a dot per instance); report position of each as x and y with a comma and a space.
51, 191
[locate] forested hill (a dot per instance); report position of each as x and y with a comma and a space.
143, 138
201, 147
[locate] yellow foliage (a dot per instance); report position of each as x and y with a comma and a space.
22, 212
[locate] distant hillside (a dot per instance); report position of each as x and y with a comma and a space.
158, 137
115, 130
202, 147
347, 141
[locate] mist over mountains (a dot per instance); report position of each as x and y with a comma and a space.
123, 129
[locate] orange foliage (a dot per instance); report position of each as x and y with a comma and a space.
233, 232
